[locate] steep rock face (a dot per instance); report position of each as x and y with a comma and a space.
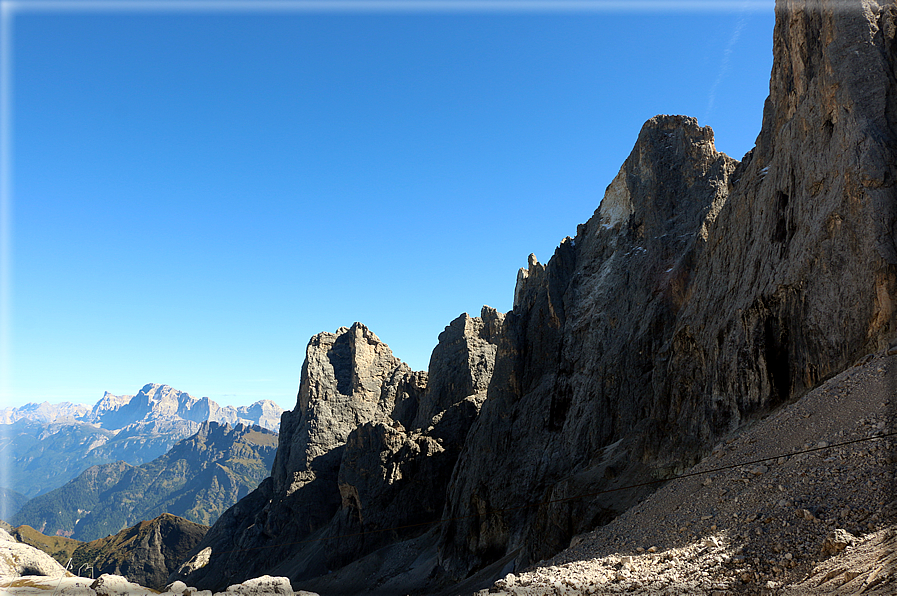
367, 448
701, 294
461, 363
392, 477
572, 374
264, 412
349, 378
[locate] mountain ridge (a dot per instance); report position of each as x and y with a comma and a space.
47, 446
197, 479
704, 294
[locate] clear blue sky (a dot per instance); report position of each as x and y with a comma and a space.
191, 195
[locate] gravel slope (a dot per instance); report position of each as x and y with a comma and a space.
760, 528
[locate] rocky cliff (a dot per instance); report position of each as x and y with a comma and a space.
703, 294
370, 451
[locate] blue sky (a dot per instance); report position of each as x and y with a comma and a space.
190, 195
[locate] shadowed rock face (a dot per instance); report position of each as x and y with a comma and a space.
702, 293
368, 447
574, 372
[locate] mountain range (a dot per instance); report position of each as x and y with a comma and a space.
197, 479
47, 445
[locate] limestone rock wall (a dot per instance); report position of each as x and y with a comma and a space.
370, 446
703, 292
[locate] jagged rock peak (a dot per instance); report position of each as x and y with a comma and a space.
664, 142
351, 362
461, 365
156, 402
348, 378
704, 293
662, 201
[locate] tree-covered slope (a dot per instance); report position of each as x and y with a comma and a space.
198, 479
44, 456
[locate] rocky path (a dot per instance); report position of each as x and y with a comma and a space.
822, 522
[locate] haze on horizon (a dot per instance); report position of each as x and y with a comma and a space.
189, 196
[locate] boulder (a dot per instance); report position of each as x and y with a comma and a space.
116, 585
261, 586
836, 541
17, 559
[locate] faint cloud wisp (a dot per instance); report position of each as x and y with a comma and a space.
724, 64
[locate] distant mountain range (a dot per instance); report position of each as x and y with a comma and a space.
46, 445
44, 412
152, 403
197, 479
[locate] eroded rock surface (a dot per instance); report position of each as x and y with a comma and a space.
369, 447
702, 294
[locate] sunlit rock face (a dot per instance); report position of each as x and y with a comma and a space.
156, 404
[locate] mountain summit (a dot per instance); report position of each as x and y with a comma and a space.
160, 402
704, 294
197, 479
52, 444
